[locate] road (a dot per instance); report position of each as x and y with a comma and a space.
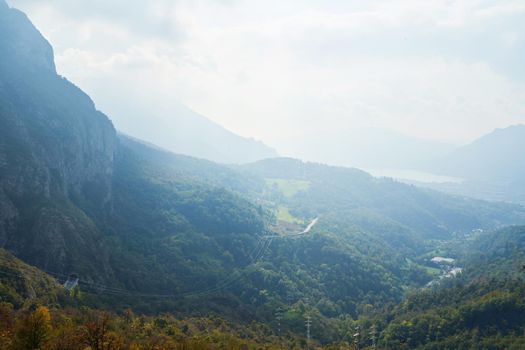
309, 227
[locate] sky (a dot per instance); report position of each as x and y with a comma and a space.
288, 70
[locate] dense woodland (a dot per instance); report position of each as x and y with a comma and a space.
483, 308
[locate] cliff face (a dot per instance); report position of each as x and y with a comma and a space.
74, 200
56, 151
47, 120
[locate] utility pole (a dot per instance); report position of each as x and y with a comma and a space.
308, 324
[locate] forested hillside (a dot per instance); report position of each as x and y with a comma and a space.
360, 199
222, 247
482, 309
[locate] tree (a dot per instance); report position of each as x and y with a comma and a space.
6, 325
97, 334
33, 330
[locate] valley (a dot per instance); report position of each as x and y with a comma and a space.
110, 242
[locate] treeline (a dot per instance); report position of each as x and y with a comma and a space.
71, 329
483, 314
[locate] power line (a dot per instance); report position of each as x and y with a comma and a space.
232, 279
262, 246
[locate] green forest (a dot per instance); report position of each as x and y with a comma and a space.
108, 242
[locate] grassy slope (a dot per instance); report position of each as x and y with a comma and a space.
289, 188
22, 285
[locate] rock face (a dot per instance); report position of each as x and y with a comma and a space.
56, 151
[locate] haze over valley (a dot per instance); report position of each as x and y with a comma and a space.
261, 175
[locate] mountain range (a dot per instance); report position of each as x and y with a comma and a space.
181, 130
489, 168
492, 157
140, 227
368, 148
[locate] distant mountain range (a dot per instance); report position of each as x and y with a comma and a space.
181, 130
368, 148
497, 156
491, 167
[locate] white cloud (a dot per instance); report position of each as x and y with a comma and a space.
446, 70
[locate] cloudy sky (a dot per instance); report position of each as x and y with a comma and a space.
279, 70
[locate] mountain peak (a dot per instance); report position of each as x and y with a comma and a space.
517, 128
509, 136
21, 44
491, 157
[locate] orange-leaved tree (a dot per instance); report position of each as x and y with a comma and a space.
33, 330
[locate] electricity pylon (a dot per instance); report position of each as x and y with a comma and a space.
373, 336
308, 324
279, 317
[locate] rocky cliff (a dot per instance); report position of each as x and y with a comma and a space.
56, 151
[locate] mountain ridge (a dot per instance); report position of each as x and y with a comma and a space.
56, 155
171, 125
30, 43
488, 158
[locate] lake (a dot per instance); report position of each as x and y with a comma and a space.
413, 175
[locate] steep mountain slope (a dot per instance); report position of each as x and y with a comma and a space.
55, 150
74, 200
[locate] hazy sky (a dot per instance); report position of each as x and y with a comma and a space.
278, 70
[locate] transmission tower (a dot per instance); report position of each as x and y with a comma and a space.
373, 336
356, 338
279, 317
308, 324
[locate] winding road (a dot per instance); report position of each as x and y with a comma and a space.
309, 227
